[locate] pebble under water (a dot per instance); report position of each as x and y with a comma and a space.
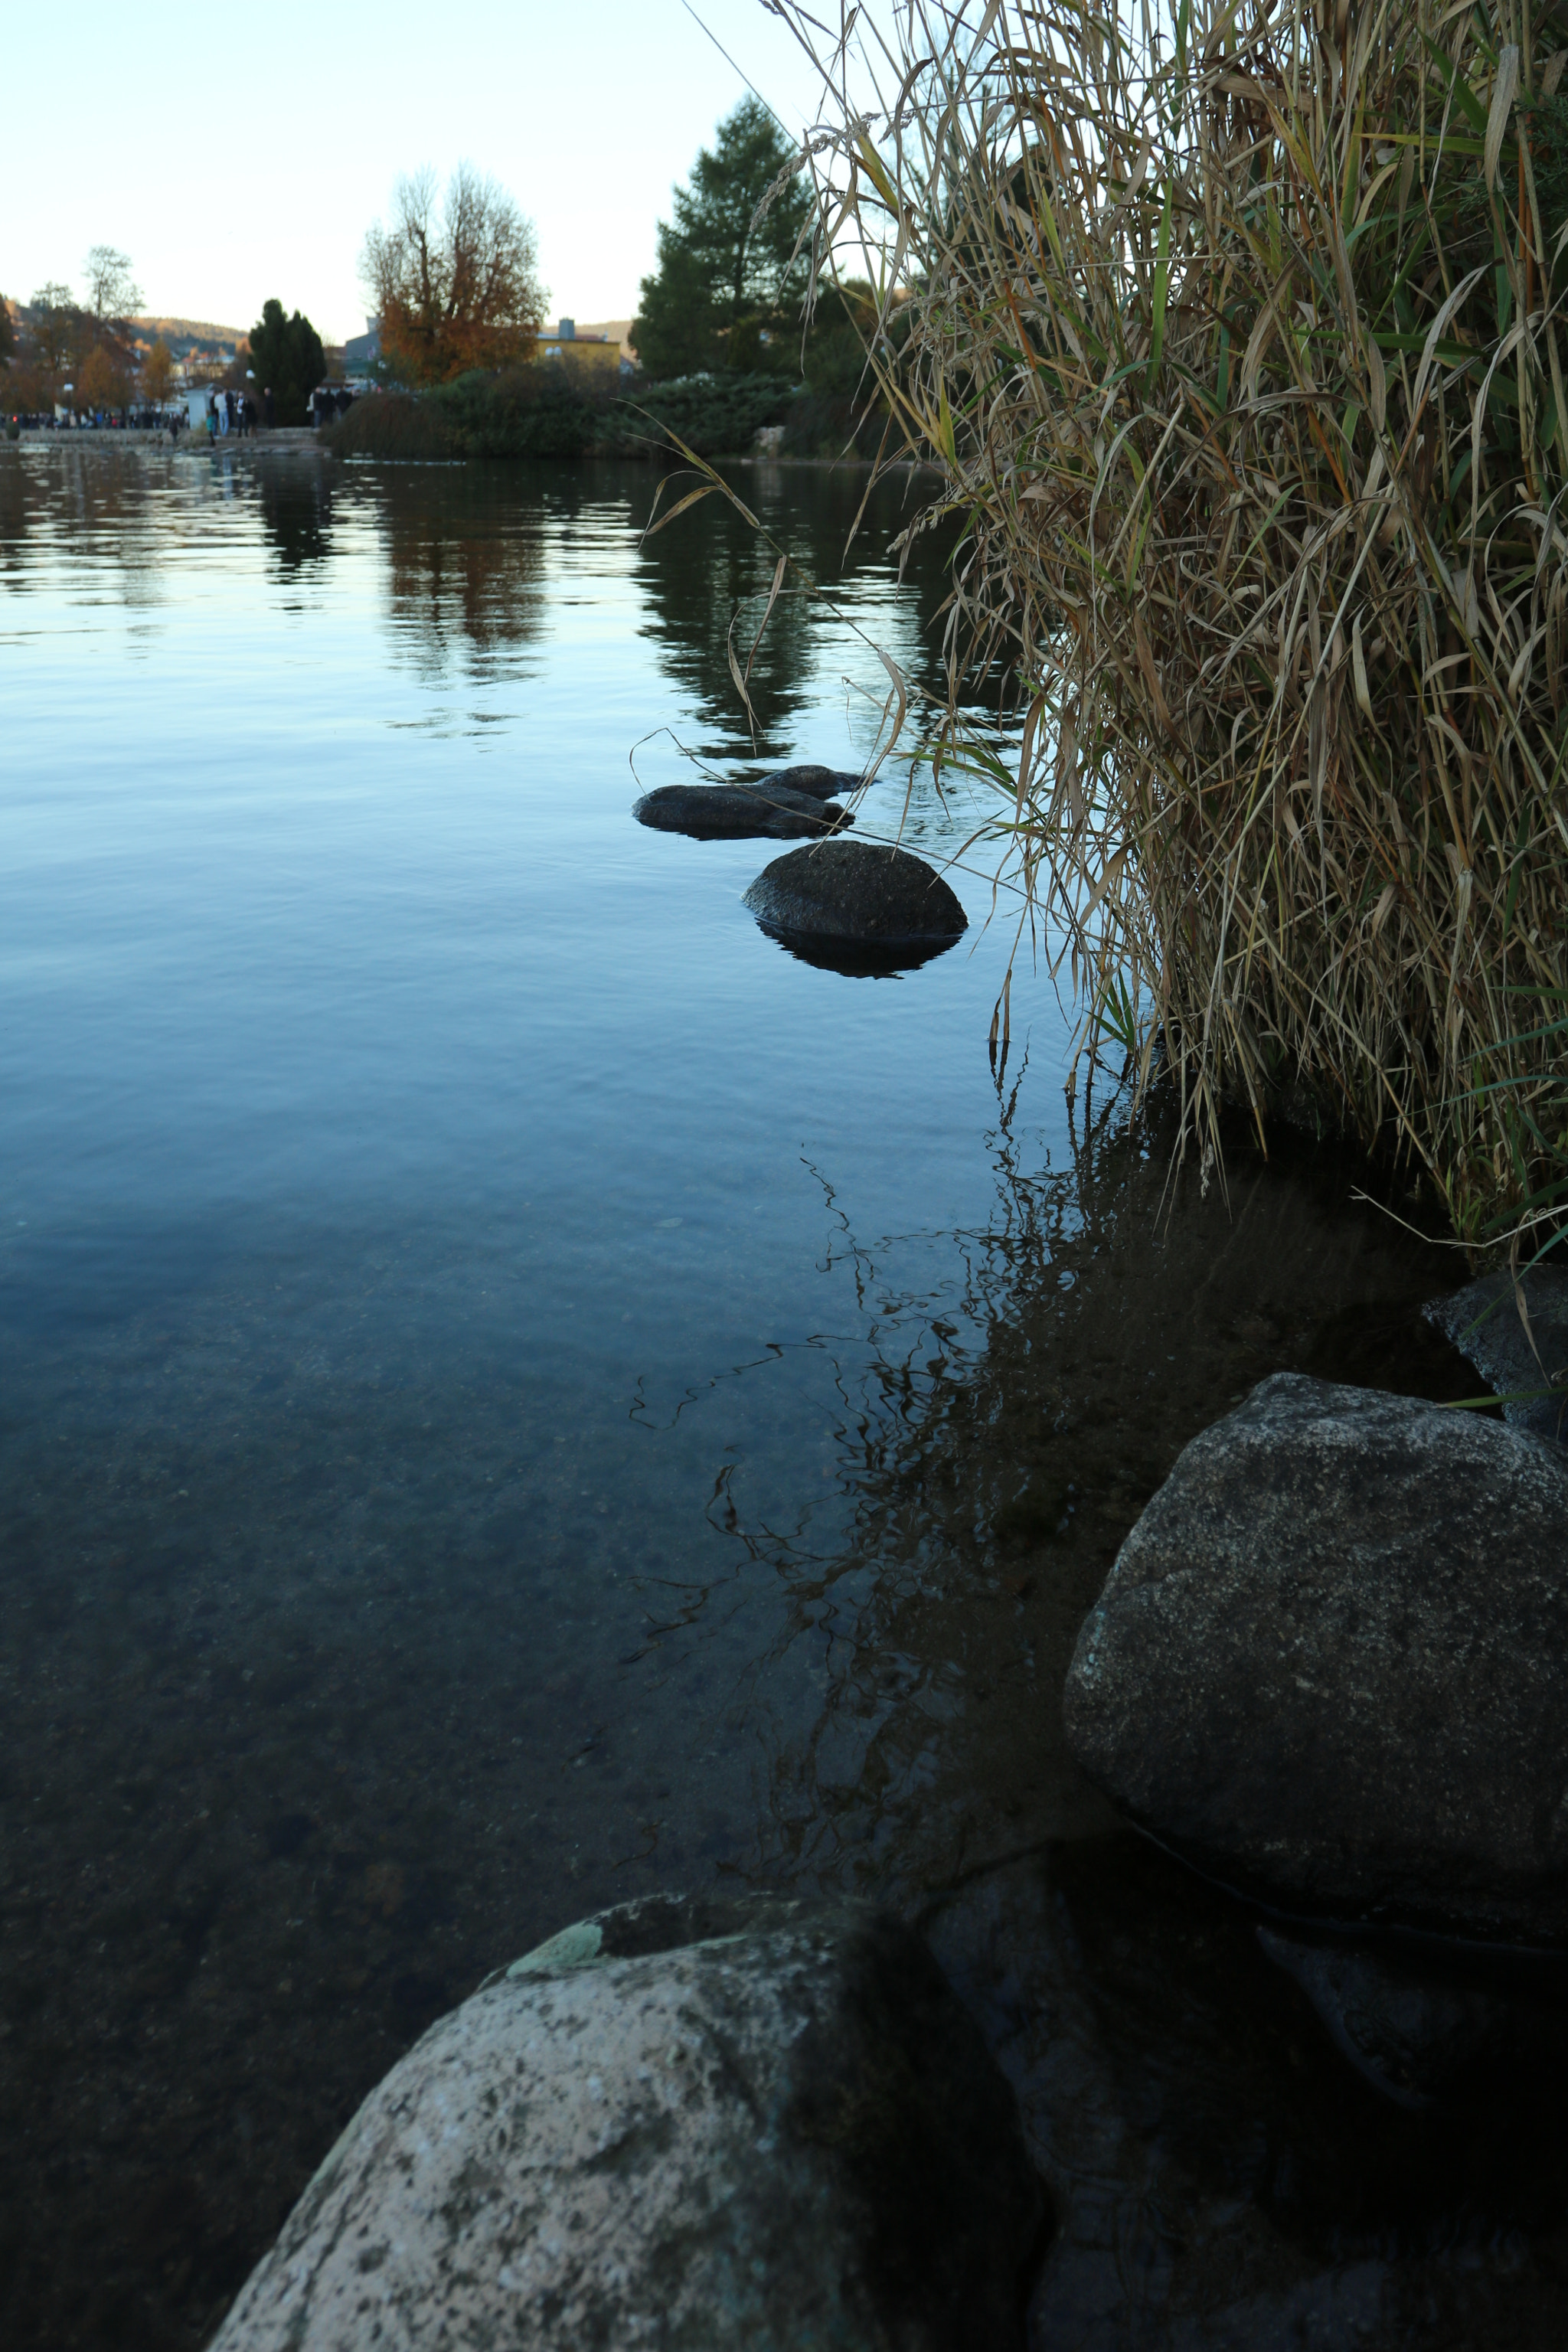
517, 1391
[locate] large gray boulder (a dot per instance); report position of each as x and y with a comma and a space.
1329, 1666
738, 811
752, 2124
858, 890
1484, 1323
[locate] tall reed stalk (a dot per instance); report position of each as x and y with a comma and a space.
1238, 338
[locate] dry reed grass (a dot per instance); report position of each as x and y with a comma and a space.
1238, 336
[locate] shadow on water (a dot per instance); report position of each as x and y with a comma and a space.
856, 959
1221, 2177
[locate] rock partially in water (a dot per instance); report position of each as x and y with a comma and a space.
738, 811
1484, 1323
746, 2124
861, 890
1329, 1666
821, 783
1422, 2038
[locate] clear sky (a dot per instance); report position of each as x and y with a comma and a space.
234, 155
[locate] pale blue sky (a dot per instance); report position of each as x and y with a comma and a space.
235, 154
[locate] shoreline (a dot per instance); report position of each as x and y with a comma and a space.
305, 438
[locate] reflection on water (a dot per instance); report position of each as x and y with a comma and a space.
856, 959
514, 1392
466, 579
295, 510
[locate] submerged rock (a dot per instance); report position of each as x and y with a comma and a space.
1329, 1666
821, 783
1484, 1323
1423, 2040
749, 2124
857, 890
738, 811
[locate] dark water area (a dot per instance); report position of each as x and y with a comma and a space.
517, 1391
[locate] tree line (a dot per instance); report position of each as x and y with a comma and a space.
85, 353
453, 278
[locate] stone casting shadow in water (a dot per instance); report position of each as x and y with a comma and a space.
858, 906
762, 812
857, 958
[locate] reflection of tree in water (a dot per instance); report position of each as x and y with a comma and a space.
466, 549
994, 1444
296, 508
91, 497
15, 515
710, 567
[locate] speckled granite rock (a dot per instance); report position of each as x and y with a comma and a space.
857, 890
738, 811
1483, 1322
1330, 1665
748, 2123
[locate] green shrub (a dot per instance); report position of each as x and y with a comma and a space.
546, 413
717, 415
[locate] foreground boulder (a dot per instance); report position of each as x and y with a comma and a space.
858, 890
1483, 1322
1330, 1665
749, 2124
738, 811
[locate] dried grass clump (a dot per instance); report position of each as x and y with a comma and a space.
1240, 344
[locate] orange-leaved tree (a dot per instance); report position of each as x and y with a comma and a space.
454, 281
104, 381
158, 372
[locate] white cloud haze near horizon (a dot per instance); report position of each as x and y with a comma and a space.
251, 162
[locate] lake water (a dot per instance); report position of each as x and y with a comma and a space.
515, 1391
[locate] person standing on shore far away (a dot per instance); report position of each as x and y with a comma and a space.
267, 409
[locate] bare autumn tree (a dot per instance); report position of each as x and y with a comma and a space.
454, 281
113, 293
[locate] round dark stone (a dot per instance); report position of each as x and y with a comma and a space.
856, 890
738, 811
820, 783
1329, 1666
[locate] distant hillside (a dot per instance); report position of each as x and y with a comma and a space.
186, 336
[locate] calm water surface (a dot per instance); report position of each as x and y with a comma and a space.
515, 1390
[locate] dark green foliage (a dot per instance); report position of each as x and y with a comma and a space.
285, 357
530, 412
833, 425
527, 411
717, 415
544, 413
395, 426
720, 282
